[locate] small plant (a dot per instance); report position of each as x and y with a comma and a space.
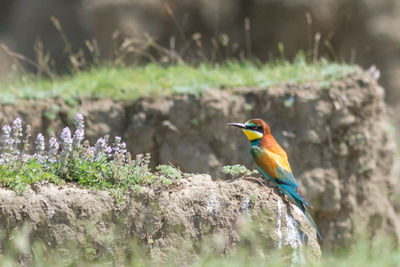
52, 112
325, 85
238, 171
72, 159
288, 103
170, 171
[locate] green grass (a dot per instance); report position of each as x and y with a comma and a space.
380, 253
130, 83
238, 170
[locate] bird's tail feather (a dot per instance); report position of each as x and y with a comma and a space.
295, 194
300, 203
310, 219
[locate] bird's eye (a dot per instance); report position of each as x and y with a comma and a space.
255, 127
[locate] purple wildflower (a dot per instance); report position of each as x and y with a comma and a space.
116, 145
100, 145
119, 148
7, 146
6, 139
123, 148
66, 143
80, 130
40, 148
17, 131
101, 148
27, 157
53, 149
108, 151
40, 145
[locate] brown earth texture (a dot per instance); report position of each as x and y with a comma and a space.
194, 215
337, 136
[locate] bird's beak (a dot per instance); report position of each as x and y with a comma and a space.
240, 125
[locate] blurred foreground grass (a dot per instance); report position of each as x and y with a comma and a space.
19, 250
129, 83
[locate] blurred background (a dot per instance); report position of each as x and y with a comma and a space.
354, 31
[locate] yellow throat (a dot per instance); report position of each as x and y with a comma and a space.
252, 135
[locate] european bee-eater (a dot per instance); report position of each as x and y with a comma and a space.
272, 161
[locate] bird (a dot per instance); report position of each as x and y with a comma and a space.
272, 162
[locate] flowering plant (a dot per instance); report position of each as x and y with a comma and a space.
73, 159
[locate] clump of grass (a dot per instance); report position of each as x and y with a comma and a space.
238, 170
169, 173
71, 158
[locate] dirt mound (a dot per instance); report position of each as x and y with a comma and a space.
337, 136
173, 221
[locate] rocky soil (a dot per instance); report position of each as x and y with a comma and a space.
194, 215
337, 135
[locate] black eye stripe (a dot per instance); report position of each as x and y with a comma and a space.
255, 128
